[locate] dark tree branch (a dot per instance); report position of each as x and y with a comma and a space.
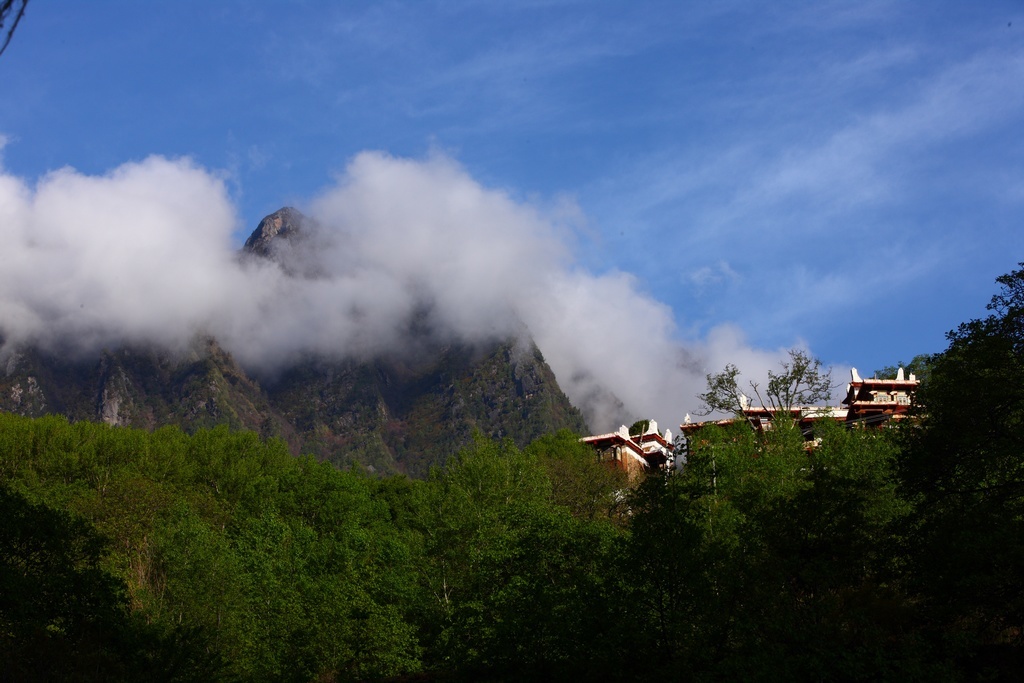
7, 8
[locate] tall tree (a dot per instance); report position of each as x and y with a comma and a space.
965, 466
920, 366
763, 560
587, 488
801, 381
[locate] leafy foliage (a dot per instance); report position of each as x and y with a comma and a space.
802, 381
63, 617
723, 394
580, 484
919, 366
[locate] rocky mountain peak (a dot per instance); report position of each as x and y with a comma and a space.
285, 223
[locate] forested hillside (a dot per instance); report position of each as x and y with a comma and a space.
891, 554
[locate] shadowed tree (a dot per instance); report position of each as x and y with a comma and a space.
965, 468
63, 617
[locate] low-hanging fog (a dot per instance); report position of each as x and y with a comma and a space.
146, 254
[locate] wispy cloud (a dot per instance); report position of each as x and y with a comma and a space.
716, 274
867, 161
807, 209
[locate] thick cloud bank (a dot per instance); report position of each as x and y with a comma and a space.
145, 254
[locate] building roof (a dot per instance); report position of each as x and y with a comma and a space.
650, 447
871, 400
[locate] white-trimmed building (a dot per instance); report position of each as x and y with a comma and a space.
634, 453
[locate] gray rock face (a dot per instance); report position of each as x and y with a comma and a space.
291, 240
284, 224
26, 398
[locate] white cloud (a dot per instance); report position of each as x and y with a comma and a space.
143, 254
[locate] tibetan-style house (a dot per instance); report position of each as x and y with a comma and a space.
875, 401
868, 402
634, 454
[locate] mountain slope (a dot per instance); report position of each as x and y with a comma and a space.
141, 388
392, 414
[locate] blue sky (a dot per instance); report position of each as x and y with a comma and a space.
844, 175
